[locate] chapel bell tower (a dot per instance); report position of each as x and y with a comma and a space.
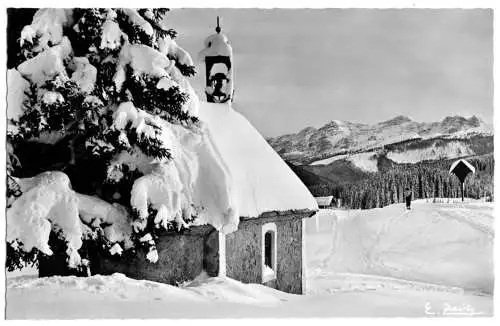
219, 76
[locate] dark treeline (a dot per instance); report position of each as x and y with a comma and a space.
425, 179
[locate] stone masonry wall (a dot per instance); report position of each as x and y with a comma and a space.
182, 257
244, 253
289, 260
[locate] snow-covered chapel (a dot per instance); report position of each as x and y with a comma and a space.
267, 244
225, 202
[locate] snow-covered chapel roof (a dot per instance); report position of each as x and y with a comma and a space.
261, 179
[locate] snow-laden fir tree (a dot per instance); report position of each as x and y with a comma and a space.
103, 141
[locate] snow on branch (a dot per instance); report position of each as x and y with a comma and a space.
143, 60
45, 31
194, 181
111, 36
47, 64
137, 20
170, 48
143, 130
49, 204
16, 88
84, 74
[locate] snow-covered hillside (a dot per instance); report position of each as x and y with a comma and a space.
366, 161
450, 244
435, 260
337, 137
453, 149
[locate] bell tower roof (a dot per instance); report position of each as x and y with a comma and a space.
217, 43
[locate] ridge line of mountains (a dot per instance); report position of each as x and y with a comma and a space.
341, 137
368, 166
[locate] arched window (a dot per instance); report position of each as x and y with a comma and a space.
269, 252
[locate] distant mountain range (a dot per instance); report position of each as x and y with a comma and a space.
401, 139
367, 166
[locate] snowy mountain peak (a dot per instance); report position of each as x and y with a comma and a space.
454, 120
341, 137
307, 130
400, 119
458, 120
336, 126
476, 120
332, 124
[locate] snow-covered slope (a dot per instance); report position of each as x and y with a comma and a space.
337, 137
366, 161
446, 244
262, 180
450, 150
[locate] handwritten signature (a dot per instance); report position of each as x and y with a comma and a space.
451, 310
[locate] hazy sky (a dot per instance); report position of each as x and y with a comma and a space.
302, 67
